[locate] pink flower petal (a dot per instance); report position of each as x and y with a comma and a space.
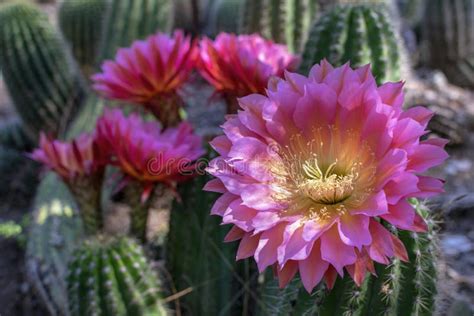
334, 251
312, 269
354, 230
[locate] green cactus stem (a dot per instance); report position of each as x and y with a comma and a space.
14, 136
39, 72
112, 277
81, 23
283, 21
359, 34
129, 20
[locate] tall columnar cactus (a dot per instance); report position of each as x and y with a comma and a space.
129, 20
39, 73
81, 23
224, 16
112, 277
359, 34
196, 257
14, 136
402, 288
284, 21
448, 31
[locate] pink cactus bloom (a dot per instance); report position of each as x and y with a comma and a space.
80, 157
146, 153
149, 73
308, 172
240, 65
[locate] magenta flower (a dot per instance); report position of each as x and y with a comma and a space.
146, 153
80, 163
240, 65
150, 73
308, 172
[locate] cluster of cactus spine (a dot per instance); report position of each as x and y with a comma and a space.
401, 288
448, 31
129, 20
81, 23
39, 73
112, 277
359, 34
283, 21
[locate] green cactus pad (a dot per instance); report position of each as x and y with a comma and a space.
112, 277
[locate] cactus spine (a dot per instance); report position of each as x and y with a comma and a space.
284, 21
81, 23
359, 34
398, 289
129, 20
112, 277
449, 39
39, 74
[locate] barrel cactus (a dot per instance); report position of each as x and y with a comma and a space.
359, 34
39, 73
81, 23
284, 21
128, 20
448, 32
112, 277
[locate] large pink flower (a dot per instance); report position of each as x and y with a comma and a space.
240, 65
149, 73
309, 172
146, 153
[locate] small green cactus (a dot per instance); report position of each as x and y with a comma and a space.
129, 20
448, 30
40, 75
283, 21
401, 288
14, 136
81, 23
359, 34
112, 277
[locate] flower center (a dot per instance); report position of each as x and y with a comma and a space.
326, 186
327, 176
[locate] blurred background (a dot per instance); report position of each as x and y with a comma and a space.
437, 64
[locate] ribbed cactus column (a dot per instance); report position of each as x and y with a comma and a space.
448, 31
112, 277
39, 73
401, 288
129, 20
196, 257
359, 34
284, 21
224, 16
81, 23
